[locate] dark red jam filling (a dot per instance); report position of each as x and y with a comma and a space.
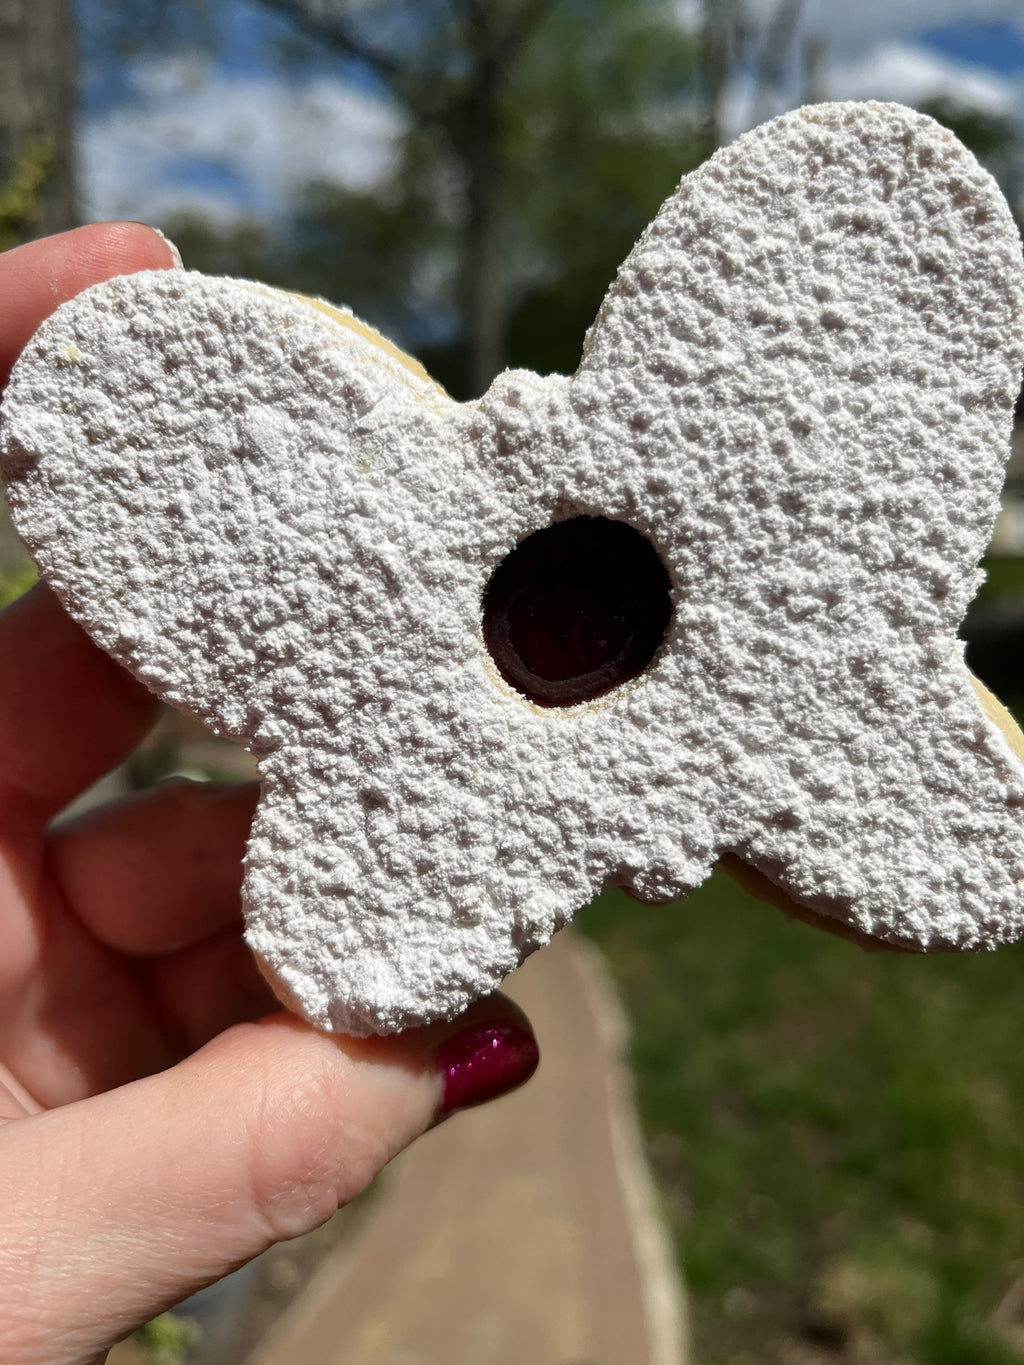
575, 610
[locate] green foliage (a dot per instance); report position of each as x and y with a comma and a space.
169, 1339
603, 123
993, 138
19, 197
393, 257
16, 581
836, 1134
989, 136
1004, 576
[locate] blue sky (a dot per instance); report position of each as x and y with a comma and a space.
228, 133
234, 136
995, 44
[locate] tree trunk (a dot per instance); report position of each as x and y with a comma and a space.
482, 276
724, 36
37, 183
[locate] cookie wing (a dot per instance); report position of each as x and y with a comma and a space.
809, 363
172, 446
829, 312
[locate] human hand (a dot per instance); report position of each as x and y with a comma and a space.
158, 1127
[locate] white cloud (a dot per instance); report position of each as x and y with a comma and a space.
689, 13
851, 30
872, 50
194, 139
909, 73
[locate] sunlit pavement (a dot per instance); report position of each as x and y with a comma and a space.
522, 1233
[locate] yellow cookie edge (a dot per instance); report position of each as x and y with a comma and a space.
1000, 718
762, 888
370, 334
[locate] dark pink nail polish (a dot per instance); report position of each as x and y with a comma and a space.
483, 1062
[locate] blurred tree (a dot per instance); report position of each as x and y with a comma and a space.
991, 137
511, 206
767, 45
609, 113
37, 189
994, 139
450, 64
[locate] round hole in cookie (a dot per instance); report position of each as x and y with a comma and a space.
576, 609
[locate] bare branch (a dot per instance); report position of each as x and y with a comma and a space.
724, 38
334, 31
778, 46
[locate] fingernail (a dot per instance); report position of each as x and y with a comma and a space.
178, 263
483, 1062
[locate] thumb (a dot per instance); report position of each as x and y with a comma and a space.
120, 1205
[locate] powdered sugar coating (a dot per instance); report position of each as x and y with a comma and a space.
799, 388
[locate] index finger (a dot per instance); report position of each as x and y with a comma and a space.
69, 712
39, 276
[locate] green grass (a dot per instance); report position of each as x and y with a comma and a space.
15, 581
838, 1136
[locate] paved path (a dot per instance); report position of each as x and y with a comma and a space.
523, 1233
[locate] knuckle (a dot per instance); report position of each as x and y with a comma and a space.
305, 1160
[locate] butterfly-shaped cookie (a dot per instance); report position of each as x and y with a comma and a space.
747, 528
